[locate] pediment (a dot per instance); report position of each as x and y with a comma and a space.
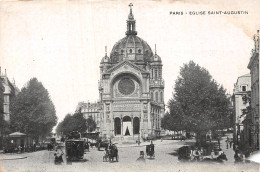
126, 65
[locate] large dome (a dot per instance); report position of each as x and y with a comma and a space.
132, 48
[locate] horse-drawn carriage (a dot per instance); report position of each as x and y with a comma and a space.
111, 153
150, 150
74, 147
184, 153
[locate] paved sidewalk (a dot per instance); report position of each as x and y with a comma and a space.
12, 156
227, 150
155, 142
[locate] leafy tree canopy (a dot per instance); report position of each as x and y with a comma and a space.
76, 122
32, 111
199, 103
91, 124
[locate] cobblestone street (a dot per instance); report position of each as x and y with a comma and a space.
165, 160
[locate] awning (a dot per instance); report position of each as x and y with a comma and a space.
17, 134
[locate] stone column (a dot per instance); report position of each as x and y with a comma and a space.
140, 125
104, 120
113, 126
121, 126
149, 111
132, 125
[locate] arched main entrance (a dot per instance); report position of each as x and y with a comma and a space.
117, 124
136, 125
127, 126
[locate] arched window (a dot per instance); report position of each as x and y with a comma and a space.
136, 125
160, 73
117, 124
139, 51
161, 96
155, 73
130, 51
156, 96
151, 96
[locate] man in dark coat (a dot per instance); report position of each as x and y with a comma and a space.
141, 158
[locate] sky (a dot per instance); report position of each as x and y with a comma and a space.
61, 43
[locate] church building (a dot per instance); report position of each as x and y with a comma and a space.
131, 88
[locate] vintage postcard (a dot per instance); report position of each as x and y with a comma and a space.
129, 85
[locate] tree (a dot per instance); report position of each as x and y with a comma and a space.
91, 124
76, 122
65, 126
199, 102
247, 101
79, 122
32, 111
59, 130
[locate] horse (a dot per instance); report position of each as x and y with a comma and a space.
113, 153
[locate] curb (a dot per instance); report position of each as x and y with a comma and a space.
13, 158
131, 146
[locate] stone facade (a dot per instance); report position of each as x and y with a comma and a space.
254, 71
90, 110
10, 91
131, 88
241, 88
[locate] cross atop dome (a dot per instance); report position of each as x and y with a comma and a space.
130, 16
130, 5
131, 22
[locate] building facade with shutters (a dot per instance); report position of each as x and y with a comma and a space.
241, 89
254, 72
10, 91
90, 110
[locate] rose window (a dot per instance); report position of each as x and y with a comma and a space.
126, 86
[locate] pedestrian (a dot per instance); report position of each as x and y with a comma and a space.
202, 152
58, 156
230, 143
106, 155
212, 154
196, 154
141, 158
19, 149
87, 146
237, 157
234, 146
247, 155
227, 143
152, 146
242, 157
